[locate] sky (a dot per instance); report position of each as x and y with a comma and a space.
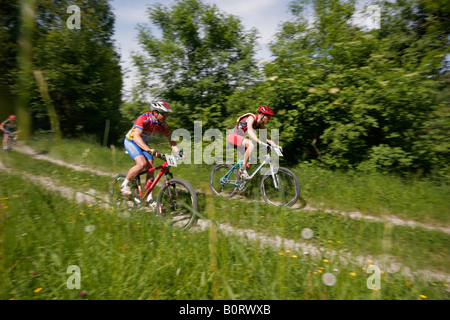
264, 15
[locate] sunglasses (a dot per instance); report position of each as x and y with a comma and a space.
163, 114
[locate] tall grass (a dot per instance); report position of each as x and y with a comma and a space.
42, 234
371, 193
137, 258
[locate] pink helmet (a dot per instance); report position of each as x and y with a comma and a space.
160, 106
265, 110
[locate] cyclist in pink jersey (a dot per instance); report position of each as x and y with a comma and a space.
136, 141
247, 124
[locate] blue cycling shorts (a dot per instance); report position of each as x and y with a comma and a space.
134, 150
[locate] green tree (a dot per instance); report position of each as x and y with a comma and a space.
9, 34
79, 66
201, 57
352, 97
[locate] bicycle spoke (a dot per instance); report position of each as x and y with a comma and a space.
223, 181
121, 203
281, 189
177, 204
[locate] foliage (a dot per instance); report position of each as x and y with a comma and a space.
80, 67
9, 33
349, 96
202, 56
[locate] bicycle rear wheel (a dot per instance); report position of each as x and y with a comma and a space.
282, 189
177, 203
120, 202
223, 180
10, 142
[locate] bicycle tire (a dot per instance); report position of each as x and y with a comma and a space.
177, 203
10, 142
120, 202
292, 180
214, 180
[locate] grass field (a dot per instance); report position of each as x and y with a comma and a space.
43, 233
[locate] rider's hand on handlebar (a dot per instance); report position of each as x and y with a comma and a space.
279, 147
264, 144
155, 153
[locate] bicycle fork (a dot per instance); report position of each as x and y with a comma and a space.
170, 186
274, 177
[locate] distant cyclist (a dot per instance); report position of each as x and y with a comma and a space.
247, 124
9, 126
136, 141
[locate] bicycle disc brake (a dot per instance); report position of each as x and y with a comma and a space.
242, 186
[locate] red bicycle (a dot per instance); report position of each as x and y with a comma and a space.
176, 203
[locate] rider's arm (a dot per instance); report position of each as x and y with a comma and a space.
174, 147
173, 144
251, 132
138, 139
2, 125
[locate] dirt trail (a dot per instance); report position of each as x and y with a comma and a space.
344, 257
353, 215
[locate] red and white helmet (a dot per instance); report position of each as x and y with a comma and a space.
160, 106
265, 110
12, 117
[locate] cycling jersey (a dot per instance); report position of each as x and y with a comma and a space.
150, 127
9, 125
241, 127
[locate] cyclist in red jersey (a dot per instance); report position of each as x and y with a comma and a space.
9, 126
247, 124
136, 141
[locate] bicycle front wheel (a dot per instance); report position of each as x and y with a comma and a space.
223, 180
281, 189
177, 203
120, 202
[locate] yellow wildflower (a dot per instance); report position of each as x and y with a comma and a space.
38, 290
325, 260
333, 90
423, 297
353, 274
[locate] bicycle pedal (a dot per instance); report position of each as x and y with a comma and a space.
242, 187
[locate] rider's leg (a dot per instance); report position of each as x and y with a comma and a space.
249, 147
140, 165
5, 141
140, 159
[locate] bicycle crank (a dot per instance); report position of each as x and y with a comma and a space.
242, 186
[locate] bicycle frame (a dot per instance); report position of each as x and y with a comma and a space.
164, 169
266, 158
